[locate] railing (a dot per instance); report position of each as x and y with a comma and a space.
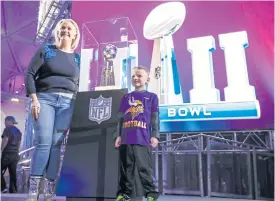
213, 180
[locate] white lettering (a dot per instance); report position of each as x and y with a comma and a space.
238, 88
204, 90
171, 112
194, 110
183, 112
205, 112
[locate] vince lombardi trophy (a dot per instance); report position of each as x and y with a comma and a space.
160, 24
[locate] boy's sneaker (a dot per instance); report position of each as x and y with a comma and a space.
4, 191
149, 198
123, 197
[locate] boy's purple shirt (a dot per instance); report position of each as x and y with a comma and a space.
137, 108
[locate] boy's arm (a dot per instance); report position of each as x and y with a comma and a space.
155, 125
120, 117
155, 117
119, 125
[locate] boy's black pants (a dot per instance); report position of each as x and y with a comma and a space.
138, 156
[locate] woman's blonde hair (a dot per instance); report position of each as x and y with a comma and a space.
58, 27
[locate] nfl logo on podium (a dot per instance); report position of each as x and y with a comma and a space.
100, 109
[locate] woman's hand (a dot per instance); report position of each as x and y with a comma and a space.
35, 109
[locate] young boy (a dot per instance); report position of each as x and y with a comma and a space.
138, 128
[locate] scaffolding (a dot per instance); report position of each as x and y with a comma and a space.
57, 10
219, 164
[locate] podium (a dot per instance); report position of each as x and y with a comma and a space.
90, 169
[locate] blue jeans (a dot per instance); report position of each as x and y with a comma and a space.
50, 129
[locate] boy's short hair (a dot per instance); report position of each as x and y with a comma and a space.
142, 68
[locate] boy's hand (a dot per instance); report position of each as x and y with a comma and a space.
154, 142
118, 141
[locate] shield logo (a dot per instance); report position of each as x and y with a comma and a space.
157, 72
100, 109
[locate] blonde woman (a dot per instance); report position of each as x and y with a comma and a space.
52, 83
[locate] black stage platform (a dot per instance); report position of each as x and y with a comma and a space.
22, 197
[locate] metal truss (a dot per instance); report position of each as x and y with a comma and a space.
262, 139
252, 145
58, 9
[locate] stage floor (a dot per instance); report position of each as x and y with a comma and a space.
22, 197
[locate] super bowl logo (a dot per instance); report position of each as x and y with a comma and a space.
205, 104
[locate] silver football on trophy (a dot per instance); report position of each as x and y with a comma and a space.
109, 52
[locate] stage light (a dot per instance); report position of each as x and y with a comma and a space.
14, 100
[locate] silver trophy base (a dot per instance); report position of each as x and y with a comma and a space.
103, 88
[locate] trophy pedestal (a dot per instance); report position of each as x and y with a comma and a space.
110, 51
